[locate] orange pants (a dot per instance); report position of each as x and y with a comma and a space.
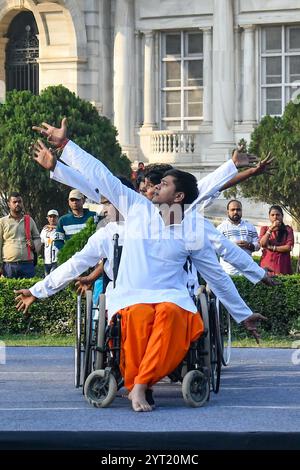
155, 339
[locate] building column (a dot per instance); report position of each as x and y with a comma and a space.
124, 74
149, 81
3, 43
207, 75
249, 84
223, 73
138, 89
105, 64
238, 75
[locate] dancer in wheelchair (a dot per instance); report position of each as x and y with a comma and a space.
158, 316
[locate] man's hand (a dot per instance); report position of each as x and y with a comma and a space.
24, 299
83, 284
54, 135
244, 244
251, 324
269, 279
242, 160
43, 156
30, 244
264, 166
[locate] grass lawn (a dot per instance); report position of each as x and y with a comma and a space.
69, 340
266, 342
38, 340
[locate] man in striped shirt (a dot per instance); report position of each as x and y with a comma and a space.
238, 231
74, 221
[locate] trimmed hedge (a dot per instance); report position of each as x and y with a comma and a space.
280, 304
54, 315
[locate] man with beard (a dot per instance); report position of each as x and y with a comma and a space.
19, 240
238, 231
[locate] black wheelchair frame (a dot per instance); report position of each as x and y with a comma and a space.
98, 344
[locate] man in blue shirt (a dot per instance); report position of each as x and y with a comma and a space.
74, 221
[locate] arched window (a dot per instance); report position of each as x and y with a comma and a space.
22, 51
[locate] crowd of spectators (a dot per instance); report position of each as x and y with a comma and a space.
21, 242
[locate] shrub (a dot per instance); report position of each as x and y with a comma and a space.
54, 315
280, 304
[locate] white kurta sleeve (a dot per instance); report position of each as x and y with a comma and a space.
212, 183
67, 175
101, 179
96, 248
206, 262
233, 254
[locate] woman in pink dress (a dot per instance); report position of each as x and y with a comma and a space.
277, 241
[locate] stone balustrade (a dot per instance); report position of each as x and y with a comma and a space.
173, 142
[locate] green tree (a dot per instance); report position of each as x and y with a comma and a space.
281, 137
18, 172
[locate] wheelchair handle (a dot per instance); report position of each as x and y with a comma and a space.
116, 257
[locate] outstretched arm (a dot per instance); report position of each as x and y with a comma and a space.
67, 175
99, 177
96, 248
264, 166
24, 299
63, 173
84, 283
234, 255
210, 185
55, 136
223, 287
206, 263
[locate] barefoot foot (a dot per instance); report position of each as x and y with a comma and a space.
138, 399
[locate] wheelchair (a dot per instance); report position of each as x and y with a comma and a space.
90, 328
219, 331
98, 347
89, 332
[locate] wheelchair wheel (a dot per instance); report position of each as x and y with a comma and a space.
100, 342
202, 306
78, 346
225, 333
100, 388
195, 388
87, 363
215, 352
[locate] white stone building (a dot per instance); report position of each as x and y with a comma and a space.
182, 81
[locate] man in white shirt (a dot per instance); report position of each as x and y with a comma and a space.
48, 236
151, 272
240, 232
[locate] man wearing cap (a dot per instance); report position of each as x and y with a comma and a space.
74, 221
47, 238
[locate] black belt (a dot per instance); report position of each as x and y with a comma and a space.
18, 262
